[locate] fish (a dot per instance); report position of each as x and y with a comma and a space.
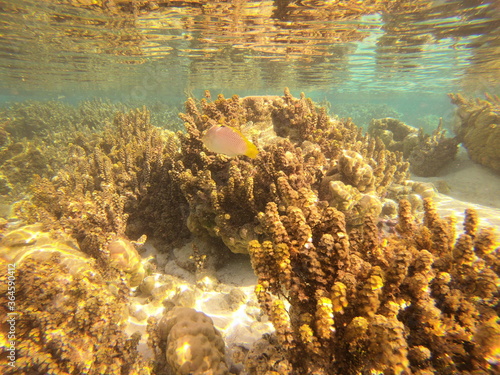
228, 141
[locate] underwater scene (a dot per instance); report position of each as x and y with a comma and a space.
276, 187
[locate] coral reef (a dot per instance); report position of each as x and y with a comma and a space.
478, 128
34, 139
416, 301
427, 154
37, 138
69, 316
225, 195
346, 293
104, 181
31, 119
132, 178
190, 343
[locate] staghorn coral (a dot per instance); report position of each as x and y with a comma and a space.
69, 316
478, 128
190, 343
415, 301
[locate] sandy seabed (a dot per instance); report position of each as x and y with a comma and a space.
469, 185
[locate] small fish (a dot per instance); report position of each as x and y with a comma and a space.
228, 141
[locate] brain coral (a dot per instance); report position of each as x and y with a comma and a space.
193, 344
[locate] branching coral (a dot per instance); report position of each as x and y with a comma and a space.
343, 299
413, 301
104, 181
225, 195
426, 153
479, 128
36, 135
132, 178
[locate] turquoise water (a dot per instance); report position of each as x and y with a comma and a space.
410, 56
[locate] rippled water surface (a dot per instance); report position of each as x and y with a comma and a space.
163, 49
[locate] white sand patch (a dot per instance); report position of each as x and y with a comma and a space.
469, 182
227, 296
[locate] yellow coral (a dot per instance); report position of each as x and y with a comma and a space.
308, 339
488, 337
485, 242
324, 318
357, 328
281, 322
339, 297
306, 334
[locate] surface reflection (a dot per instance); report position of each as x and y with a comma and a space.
306, 44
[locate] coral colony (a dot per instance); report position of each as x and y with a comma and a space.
345, 295
478, 128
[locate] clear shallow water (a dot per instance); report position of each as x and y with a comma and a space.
362, 59
339, 51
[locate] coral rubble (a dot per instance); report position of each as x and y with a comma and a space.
478, 128
413, 302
